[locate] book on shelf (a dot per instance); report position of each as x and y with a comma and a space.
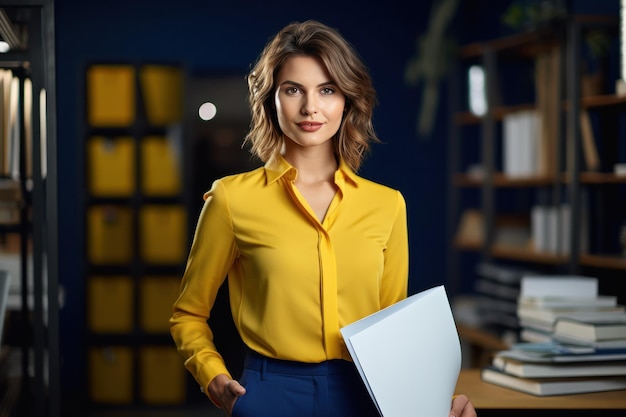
544, 226
508, 306
556, 311
496, 304
553, 368
548, 317
553, 386
544, 300
535, 335
590, 150
563, 355
600, 344
10, 198
547, 84
520, 143
551, 229
10, 191
538, 286
527, 369
564, 302
507, 275
591, 330
598, 335
496, 318
496, 289
555, 348
536, 326
470, 230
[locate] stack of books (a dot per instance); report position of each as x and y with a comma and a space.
545, 299
553, 369
498, 289
573, 340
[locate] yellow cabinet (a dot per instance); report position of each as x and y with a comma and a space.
111, 375
111, 95
109, 304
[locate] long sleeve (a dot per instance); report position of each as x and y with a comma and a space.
212, 254
394, 283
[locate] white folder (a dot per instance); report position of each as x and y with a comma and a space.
408, 355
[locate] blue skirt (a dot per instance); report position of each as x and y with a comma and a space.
277, 388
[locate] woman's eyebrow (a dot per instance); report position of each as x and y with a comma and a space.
325, 83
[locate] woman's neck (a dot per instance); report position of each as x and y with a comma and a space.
313, 166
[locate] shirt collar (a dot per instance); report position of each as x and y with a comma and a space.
278, 167
347, 173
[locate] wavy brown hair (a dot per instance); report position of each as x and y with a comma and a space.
347, 71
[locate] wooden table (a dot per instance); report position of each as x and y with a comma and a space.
490, 399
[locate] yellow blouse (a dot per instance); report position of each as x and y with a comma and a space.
293, 281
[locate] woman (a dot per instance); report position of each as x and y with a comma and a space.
307, 245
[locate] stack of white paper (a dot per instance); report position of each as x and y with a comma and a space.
408, 355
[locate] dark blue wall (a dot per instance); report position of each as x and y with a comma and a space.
226, 36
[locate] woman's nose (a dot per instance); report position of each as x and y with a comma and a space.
310, 104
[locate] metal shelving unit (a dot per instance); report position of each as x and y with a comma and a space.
33, 58
568, 183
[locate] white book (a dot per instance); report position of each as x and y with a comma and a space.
599, 344
554, 386
560, 302
553, 228
558, 286
592, 330
533, 357
550, 317
536, 326
539, 228
557, 370
550, 228
510, 136
547, 311
520, 143
408, 355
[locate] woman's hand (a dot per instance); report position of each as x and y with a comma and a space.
462, 407
225, 391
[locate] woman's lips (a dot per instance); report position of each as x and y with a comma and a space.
310, 126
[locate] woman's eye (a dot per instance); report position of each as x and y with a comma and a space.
328, 90
292, 90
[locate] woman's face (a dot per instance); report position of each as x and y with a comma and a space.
309, 105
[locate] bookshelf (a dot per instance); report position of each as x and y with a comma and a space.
595, 196
28, 226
